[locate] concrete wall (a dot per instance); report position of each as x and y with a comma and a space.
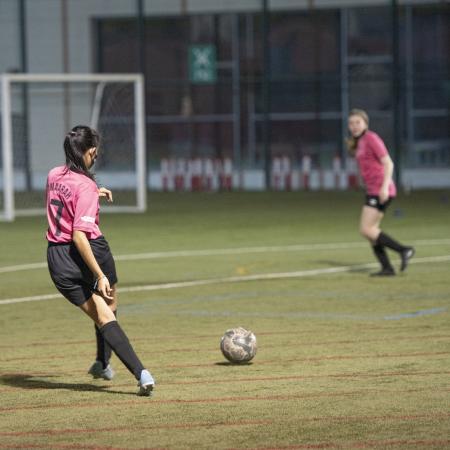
9, 36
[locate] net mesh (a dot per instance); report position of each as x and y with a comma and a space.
41, 115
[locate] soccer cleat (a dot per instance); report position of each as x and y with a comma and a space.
385, 272
97, 371
406, 255
146, 384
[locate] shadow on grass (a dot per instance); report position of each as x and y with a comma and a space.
331, 263
25, 381
228, 363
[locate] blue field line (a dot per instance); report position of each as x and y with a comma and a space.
265, 295
313, 315
409, 315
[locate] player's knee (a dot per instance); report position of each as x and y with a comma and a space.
103, 311
104, 319
367, 232
364, 232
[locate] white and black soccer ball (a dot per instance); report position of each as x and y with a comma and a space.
238, 345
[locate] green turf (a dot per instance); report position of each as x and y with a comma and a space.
344, 360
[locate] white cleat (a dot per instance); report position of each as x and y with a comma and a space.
406, 255
146, 384
97, 371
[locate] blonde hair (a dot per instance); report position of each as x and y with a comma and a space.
352, 142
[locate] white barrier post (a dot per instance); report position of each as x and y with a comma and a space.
165, 174
276, 173
227, 174
195, 169
306, 171
337, 169
180, 173
208, 166
286, 170
352, 177
218, 170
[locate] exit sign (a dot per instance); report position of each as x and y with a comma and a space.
202, 64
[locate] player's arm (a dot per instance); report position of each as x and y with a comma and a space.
388, 167
84, 248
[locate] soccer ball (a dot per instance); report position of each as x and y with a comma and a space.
238, 345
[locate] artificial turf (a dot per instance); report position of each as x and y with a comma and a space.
344, 360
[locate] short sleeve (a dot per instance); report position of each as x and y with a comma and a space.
378, 147
86, 209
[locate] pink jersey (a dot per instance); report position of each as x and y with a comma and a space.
72, 204
370, 151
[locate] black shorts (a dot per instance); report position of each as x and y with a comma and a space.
70, 274
374, 202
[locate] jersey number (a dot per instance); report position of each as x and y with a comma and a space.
60, 206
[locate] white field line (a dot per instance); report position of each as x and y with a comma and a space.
236, 279
229, 251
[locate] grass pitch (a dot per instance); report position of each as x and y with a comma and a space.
344, 361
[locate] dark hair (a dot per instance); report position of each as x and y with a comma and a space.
77, 142
352, 142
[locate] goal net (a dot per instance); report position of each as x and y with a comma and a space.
36, 113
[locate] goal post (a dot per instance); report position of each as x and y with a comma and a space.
37, 110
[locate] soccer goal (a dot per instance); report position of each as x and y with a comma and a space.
37, 110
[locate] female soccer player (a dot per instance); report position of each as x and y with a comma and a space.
79, 259
375, 167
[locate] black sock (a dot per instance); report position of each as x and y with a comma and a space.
382, 256
387, 241
119, 342
103, 348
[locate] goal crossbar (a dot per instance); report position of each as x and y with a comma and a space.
7, 131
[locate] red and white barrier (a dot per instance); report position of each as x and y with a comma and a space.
281, 173
207, 174
196, 174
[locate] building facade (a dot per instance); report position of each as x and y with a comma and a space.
298, 74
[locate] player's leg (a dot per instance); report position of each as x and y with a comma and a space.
101, 367
97, 309
370, 228
405, 252
369, 225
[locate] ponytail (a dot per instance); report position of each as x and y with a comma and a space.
352, 145
76, 143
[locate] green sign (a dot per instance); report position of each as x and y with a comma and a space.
202, 64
